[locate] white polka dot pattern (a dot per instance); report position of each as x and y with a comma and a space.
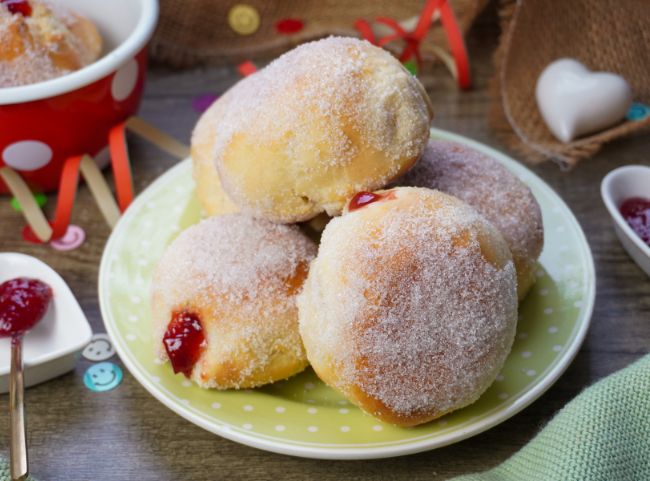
27, 155
125, 80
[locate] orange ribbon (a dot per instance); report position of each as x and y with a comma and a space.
68, 184
414, 39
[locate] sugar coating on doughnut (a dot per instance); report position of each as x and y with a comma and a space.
209, 191
493, 191
51, 42
318, 124
410, 307
240, 276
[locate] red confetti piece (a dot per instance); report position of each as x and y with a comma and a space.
287, 26
29, 236
74, 237
246, 68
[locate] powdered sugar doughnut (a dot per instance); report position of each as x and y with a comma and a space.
410, 307
211, 195
223, 301
323, 121
40, 40
493, 191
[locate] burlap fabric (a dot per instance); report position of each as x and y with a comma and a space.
193, 32
605, 35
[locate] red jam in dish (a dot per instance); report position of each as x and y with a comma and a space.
636, 211
362, 199
184, 341
18, 6
23, 303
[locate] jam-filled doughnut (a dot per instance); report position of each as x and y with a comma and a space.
40, 40
410, 307
224, 301
323, 121
493, 191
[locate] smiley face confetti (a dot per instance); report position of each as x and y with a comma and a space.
103, 377
100, 348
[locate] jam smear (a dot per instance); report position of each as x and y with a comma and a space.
184, 341
23, 303
636, 212
362, 199
18, 6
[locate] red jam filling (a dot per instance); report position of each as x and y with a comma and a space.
636, 211
18, 6
362, 199
23, 303
184, 341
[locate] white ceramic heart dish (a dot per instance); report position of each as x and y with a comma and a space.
618, 185
51, 347
575, 101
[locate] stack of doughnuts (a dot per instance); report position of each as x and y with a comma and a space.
408, 306
40, 41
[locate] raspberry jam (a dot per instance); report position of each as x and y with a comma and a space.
184, 341
636, 212
23, 303
18, 6
362, 199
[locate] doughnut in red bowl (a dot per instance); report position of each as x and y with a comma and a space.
47, 122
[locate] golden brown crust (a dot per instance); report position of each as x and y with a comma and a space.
493, 191
240, 277
319, 124
49, 43
410, 307
211, 195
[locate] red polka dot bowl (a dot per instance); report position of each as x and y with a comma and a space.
45, 123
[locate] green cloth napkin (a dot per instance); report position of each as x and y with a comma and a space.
602, 435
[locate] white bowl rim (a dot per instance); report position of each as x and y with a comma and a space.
93, 72
605, 192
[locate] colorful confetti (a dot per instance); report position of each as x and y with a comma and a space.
29, 236
40, 199
637, 111
246, 68
411, 66
244, 19
288, 26
74, 236
202, 102
103, 376
100, 348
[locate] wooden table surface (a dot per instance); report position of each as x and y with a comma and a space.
126, 434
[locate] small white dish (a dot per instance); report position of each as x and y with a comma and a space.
51, 347
621, 184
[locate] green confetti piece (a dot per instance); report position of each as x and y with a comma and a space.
40, 199
411, 66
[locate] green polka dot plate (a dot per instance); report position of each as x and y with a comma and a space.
302, 416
